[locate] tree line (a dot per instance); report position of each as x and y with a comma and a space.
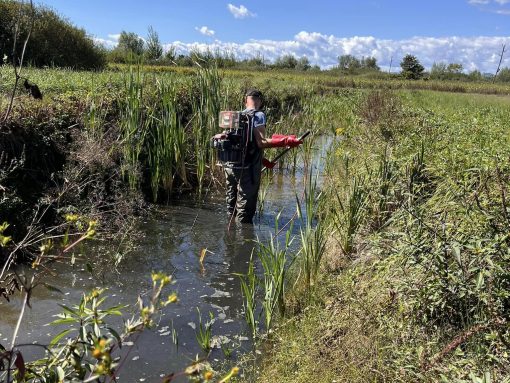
54, 41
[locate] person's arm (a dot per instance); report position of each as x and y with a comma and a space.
276, 141
259, 133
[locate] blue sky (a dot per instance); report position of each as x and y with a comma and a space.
467, 31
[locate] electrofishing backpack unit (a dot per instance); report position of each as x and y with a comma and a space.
235, 143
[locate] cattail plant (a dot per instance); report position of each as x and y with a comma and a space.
167, 144
351, 213
206, 106
132, 126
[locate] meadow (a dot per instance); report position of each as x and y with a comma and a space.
403, 272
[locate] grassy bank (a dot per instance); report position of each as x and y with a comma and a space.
416, 283
110, 141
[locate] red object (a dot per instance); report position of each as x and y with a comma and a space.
268, 164
281, 141
220, 136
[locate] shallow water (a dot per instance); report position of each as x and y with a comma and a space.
172, 240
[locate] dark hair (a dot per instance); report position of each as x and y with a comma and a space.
253, 93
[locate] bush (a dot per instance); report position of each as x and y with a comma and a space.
54, 41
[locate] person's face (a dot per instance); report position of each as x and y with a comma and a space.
253, 102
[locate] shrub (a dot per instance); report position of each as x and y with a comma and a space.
54, 41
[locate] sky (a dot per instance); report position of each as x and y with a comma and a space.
469, 32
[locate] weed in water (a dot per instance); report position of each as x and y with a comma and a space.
204, 333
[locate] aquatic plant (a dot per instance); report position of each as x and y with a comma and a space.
133, 126
313, 236
204, 333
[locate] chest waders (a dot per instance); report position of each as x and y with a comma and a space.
240, 157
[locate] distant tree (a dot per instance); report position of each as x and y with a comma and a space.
443, 71
348, 62
411, 67
503, 75
286, 62
154, 50
475, 75
454, 68
170, 55
254, 62
303, 64
130, 42
369, 63
352, 65
438, 71
184, 60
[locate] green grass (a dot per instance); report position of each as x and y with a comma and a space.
420, 290
414, 283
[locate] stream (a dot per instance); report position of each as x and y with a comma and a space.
171, 242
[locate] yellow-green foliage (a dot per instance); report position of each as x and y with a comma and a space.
423, 293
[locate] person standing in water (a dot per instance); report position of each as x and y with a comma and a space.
243, 179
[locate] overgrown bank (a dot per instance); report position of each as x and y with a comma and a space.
416, 287
103, 144
418, 284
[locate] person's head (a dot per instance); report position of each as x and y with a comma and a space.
253, 99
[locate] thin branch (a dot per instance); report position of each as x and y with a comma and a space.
500, 60
20, 317
17, 70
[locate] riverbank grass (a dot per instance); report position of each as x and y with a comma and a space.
418, 291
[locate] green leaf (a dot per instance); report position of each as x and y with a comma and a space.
456, 254
60, 336
114, 312
479, 281
61, 374
89, 267
68, 310
116, 335
97, 331
53, 288
83, 334
63, 321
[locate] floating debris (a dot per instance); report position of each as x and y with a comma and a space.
218, 340
220, 294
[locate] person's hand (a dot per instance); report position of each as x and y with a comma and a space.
281, 141
292, 141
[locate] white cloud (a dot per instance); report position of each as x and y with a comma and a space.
497, 3
240, 12
480, 52
112, 41
109, 43
205, 31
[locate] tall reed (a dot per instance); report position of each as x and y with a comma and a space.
167, 142
132, 126
274, 259
249, 288
313, 237
206, 105
351, 213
